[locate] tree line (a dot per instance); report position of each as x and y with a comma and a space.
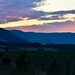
64, 47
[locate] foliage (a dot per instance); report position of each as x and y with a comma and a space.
6, 61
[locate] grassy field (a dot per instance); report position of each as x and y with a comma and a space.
42, 63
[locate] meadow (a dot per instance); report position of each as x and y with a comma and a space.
41, 63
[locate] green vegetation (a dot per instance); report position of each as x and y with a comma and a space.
35, 62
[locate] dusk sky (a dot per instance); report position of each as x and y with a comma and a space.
38, 15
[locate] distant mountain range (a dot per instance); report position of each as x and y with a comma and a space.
46, 38
17, 36
8, 36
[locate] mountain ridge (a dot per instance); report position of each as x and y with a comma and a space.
47, 38
8, 36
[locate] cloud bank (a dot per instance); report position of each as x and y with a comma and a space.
25, 15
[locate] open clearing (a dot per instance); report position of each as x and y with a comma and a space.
47, 62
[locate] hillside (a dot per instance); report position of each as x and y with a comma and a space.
47, 38
7, 36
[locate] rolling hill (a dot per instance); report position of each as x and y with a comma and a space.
7, 36
47, 38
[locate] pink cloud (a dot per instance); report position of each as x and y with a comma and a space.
67, 26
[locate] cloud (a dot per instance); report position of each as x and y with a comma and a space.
58, 15
67, 26
54, 17
20, 9
10, 19
21, 13
63, 12
53, 5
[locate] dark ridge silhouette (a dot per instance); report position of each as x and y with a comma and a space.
7, 36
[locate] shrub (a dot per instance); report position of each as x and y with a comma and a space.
6, 61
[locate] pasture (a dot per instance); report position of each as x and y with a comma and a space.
41, 63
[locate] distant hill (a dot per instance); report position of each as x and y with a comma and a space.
7, 36
47, 38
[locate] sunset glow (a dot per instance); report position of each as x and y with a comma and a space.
38, 16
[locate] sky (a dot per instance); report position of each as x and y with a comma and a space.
38, 15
